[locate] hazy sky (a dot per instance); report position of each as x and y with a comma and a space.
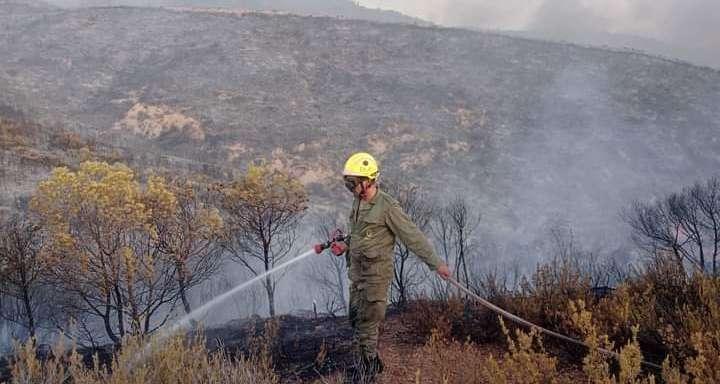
692, 26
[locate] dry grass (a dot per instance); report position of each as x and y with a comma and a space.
664, 311
674, 316
448, 361
154, 121
176, 361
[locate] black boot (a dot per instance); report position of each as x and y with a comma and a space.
351, 376
355, 373
364, 371
371, 368
379, 366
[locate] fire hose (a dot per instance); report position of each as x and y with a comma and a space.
339, 236
530, 325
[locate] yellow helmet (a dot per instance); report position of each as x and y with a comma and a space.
362, 164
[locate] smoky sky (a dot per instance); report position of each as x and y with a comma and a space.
685, 29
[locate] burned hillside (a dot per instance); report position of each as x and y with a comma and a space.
532, 129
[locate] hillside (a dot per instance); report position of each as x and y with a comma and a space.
530, 130
336, 8
28, 151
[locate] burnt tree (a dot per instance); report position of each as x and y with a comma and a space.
262, 210
21, 271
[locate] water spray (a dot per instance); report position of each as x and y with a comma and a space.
184, 322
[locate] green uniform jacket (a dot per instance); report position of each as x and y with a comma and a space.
374, 227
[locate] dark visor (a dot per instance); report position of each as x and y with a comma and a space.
351, 182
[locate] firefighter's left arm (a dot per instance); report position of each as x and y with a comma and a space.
410, 235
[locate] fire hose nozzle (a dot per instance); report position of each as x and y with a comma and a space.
337, 236
319, 248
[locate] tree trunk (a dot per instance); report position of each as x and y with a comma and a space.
271, 296
25, 286
29, 312
106, 322
183, 297
183, 287
465, 272
135, 323
402, 287
119, 310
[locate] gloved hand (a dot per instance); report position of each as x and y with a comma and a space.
443, 271
338, 248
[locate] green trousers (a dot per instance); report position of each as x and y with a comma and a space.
366, 312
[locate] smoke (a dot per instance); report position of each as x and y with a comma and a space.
567, 18
694, 25
6, 338
486, 14
510, 14
683, 29
687, 30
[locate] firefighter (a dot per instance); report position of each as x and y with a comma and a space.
376, 221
